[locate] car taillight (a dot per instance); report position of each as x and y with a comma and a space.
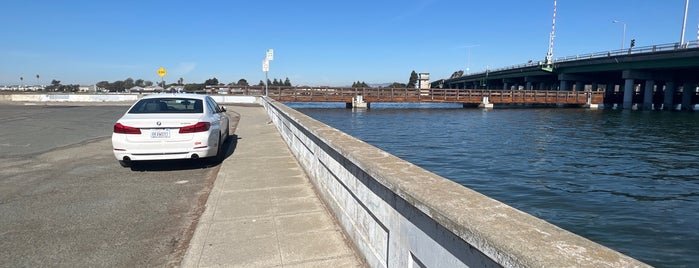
198, 127
121, 129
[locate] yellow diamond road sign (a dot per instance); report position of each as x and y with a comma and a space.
162, 72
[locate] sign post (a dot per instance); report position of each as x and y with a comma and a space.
265, 68
162, 72
269, 56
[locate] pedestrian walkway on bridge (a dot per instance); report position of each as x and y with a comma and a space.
263, 211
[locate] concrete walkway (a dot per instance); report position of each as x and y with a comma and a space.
263, 211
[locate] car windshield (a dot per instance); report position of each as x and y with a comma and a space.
167, 105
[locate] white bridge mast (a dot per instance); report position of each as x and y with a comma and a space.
549, 55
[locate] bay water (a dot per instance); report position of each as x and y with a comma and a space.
626, 179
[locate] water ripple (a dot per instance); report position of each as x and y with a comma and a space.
628, 180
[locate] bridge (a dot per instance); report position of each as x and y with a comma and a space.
467, 97
363, 97
652, 77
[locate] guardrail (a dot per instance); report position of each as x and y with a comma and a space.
602, 54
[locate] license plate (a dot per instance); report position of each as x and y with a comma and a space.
160, 133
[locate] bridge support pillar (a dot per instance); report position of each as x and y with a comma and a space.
358, 102
529, 86
564, 85
687, 91
628, 94
648, 95
579, 86
544, 86
608, 93
669, 102
486, 104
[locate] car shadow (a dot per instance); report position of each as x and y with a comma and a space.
184, 164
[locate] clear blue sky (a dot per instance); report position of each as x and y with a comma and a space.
315, 42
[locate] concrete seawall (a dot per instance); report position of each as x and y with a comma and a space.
69, 98
400, 215
96, 98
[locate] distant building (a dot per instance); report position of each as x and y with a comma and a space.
22, 88
135, 89
84, 88
423, 83
150, 89
175, 89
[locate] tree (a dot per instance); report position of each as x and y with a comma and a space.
55, 85
102, 84
412, 82
397, 85
243, 83
262, 83
180, 81
211, 82
148, 83
194, 87
287, 82
275, 82
128, 83
117, 86
359, 84
139, 83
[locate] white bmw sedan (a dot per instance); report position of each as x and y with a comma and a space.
170, 126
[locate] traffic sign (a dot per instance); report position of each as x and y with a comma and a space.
162, 72
265, 65
270, 54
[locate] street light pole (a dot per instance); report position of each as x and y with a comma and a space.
468, 58
623, 34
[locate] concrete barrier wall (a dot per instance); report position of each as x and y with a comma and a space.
72, 98
400, 215
235, 99
108, 98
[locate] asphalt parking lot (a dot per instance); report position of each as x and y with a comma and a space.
66, 202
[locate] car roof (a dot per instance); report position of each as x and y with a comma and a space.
175, 95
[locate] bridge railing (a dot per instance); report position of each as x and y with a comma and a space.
634, 50
603, 54
466, 96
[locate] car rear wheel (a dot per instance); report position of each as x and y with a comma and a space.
125, 163
219, 151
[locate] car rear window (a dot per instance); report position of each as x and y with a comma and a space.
167, 105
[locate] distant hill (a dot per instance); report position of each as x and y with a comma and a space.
380, 85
